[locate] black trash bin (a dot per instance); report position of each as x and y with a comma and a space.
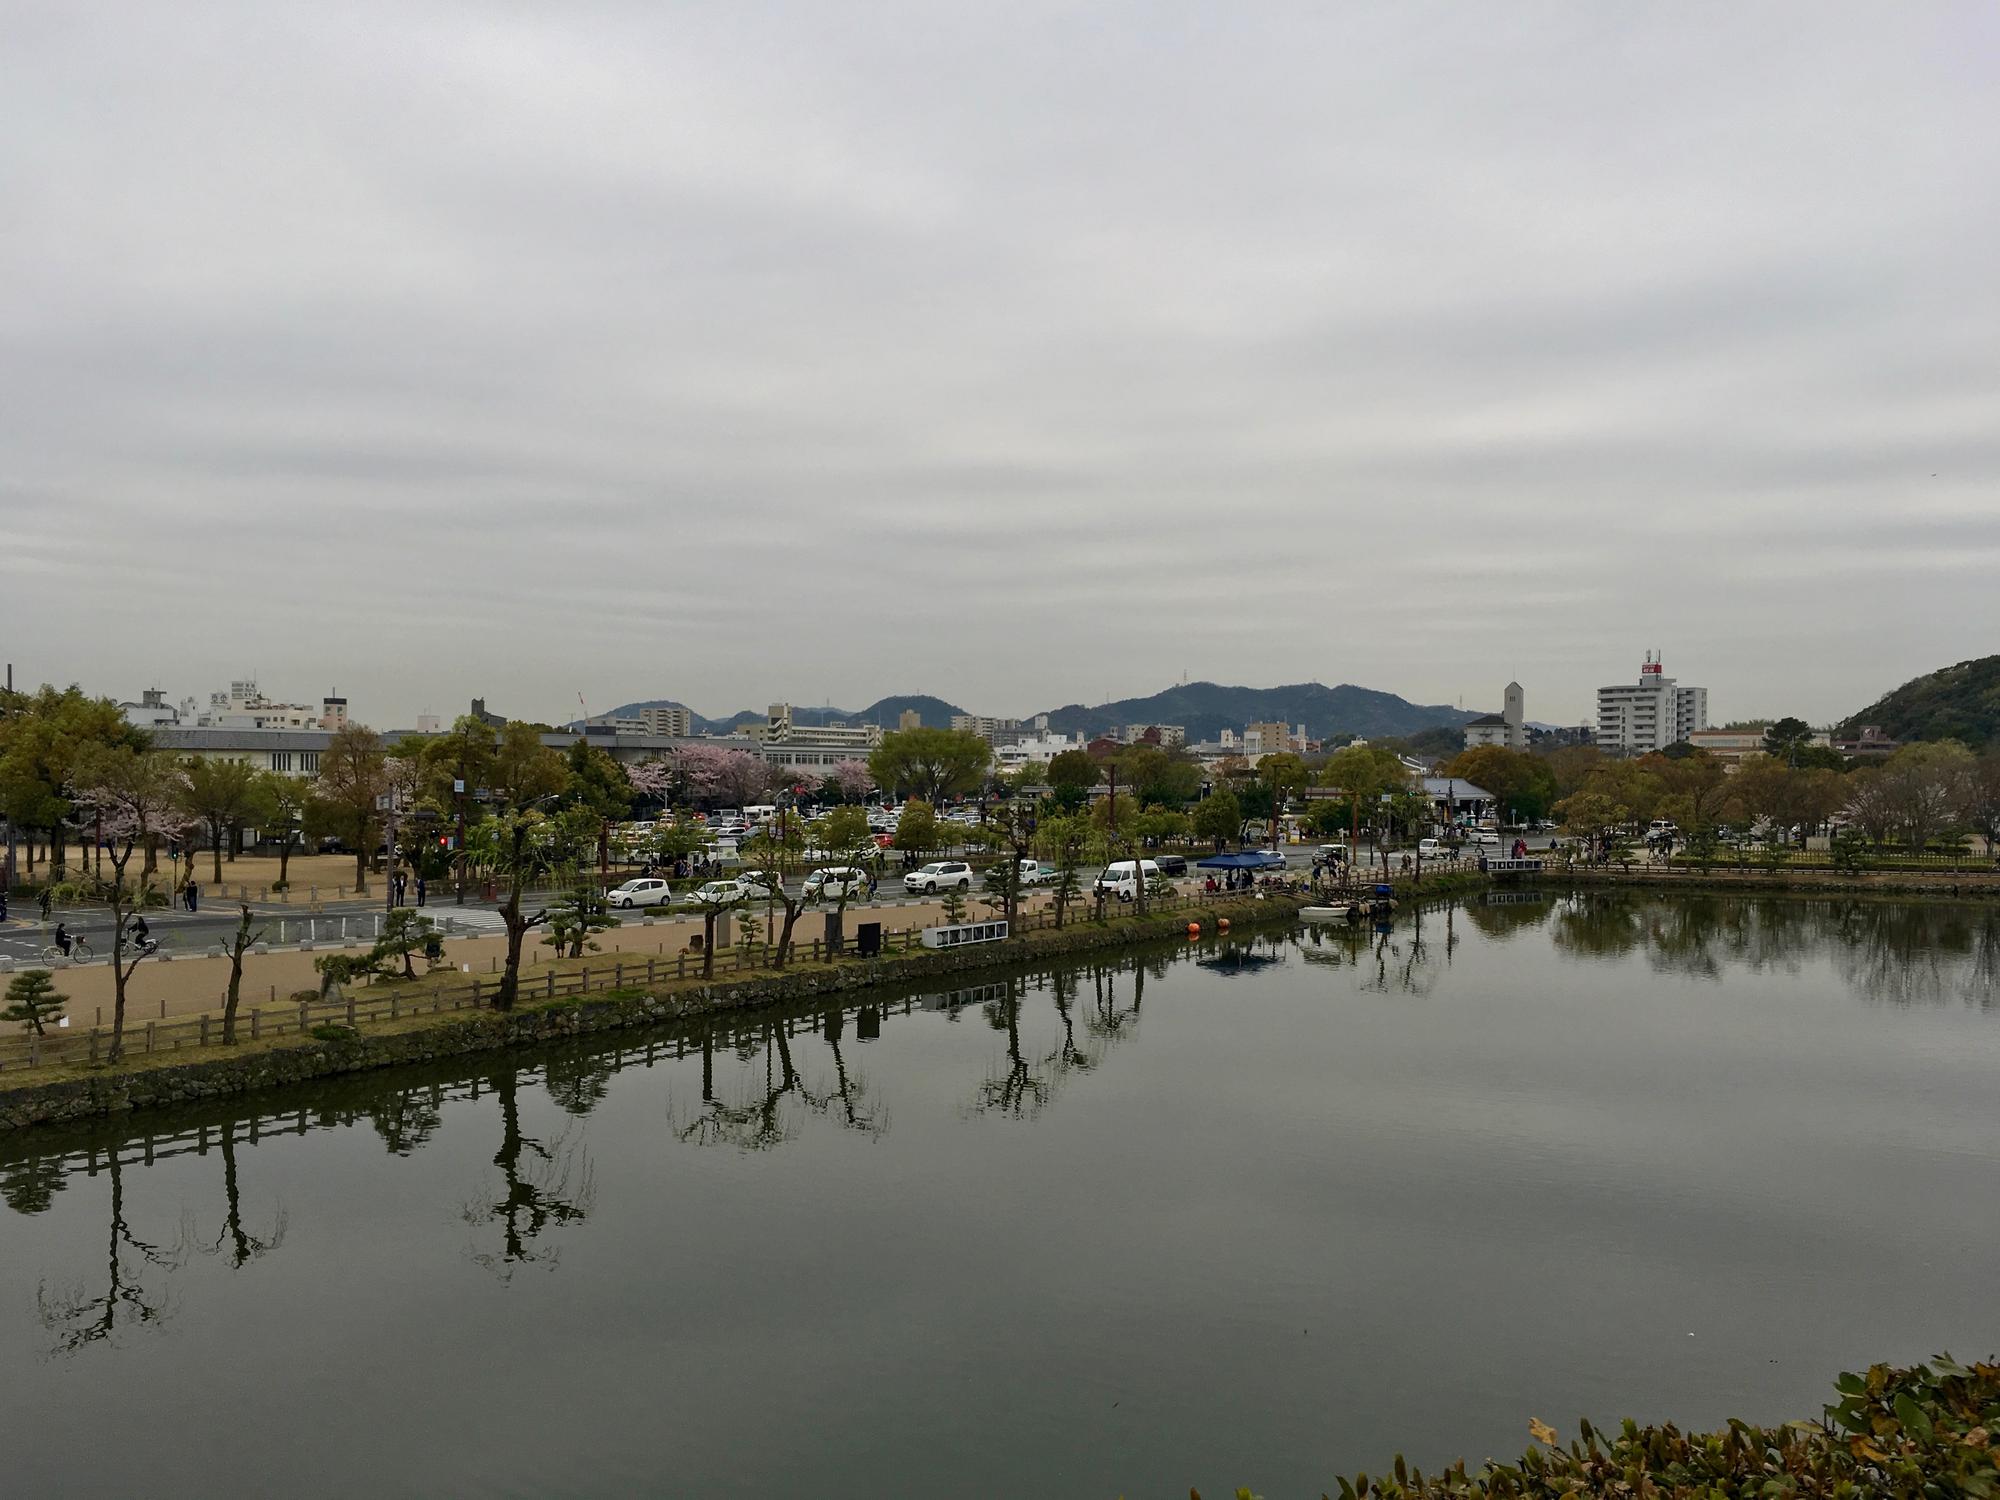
868, 939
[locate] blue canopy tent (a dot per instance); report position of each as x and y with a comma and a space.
1248, 859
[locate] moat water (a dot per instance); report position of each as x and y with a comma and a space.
1256, 1212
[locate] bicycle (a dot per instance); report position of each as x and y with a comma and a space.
79, 952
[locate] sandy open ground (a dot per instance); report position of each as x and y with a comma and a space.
187, 986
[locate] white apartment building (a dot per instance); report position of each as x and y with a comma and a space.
242, 707
1037, 750
987, 729
810, 749
678, 722
1636, 719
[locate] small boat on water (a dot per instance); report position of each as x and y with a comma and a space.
1380, 904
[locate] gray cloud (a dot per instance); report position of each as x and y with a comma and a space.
1021, 354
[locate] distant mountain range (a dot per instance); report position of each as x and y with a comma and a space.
884, 711
1961, 702
1205, 709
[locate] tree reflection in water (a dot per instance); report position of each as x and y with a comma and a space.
848, 1098
81, 1316
406, 1119
543, 1186
767, 1112
1016, 1088
243, 1247
1403, 955
29, 1184
1906, 953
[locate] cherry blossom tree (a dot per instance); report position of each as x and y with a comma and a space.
652, 778
715, 773
135, 797
852, 777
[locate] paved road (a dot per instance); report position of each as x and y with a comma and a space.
24, 938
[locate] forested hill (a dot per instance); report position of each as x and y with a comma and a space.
1952, 703
1208, 708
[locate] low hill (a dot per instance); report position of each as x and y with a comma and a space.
885, 711
1952, 703
1208, 708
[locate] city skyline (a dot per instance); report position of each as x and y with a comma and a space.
1025, 357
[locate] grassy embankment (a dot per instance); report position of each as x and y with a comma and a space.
1923, 1433
619, 990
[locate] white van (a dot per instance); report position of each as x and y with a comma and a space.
1121, 879
760, 814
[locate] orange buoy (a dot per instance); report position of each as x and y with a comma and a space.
1222, 924
1194, 929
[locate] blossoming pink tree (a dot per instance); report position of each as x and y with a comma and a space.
852, 777
137, 798
652, 778
714, 773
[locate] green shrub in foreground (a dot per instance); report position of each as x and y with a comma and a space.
1928, 1431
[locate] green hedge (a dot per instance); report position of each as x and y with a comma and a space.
1928, 1431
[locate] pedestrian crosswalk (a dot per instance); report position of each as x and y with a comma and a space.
466, 919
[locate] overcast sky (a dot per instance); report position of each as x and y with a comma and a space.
1021, 354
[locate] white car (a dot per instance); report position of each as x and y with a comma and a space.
642, 892
1485, 837
1433, 849
837, 881
722, 892
937, 876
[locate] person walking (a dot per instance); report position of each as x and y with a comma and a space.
193, 894
47, 899
420, 890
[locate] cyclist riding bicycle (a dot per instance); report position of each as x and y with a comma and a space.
62, 938
141, 933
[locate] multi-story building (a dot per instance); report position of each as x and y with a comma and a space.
1870, 744
242, 707
909, 719
1730, 746
677, 722
1164, 735
1508, 728
989, 730
1636, 719
1268, 739
1034, 750
289, 752
810, 749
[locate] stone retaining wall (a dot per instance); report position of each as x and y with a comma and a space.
115, 1090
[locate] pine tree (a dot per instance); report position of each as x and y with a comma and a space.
953, 901
32, 997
